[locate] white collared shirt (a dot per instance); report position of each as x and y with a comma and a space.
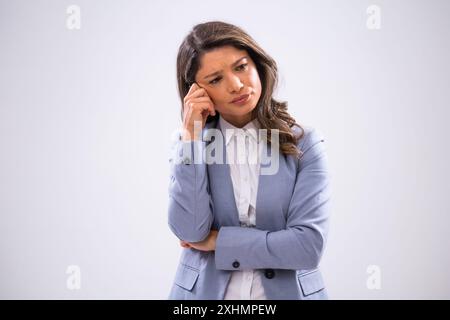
242, 155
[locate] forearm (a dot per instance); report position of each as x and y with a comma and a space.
190, 211
293, 248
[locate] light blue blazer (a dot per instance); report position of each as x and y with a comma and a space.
292, 218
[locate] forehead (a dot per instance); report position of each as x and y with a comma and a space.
219, 58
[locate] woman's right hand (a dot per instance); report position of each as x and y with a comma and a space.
197, 107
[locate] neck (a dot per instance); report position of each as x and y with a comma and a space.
239, 121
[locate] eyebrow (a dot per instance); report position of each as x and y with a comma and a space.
217, 72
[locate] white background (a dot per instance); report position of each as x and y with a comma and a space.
86, 118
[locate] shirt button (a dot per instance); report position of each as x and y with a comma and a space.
236, 264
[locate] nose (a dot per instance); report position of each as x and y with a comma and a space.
235, 84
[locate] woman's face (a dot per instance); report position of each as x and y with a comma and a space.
227, 73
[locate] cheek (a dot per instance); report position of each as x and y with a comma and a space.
255, 81
216, 95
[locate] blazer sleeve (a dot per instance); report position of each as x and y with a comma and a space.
301, 244
190, 213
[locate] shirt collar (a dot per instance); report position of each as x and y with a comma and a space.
250, 128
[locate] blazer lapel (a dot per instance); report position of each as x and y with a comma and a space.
263, 195
222, 188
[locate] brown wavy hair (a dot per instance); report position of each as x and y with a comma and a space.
270, 113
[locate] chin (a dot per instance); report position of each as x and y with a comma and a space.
240, 110
241, 113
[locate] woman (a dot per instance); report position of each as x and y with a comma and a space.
246, 235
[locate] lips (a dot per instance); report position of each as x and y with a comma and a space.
241, 98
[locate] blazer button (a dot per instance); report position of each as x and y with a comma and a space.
236, 264
187, 161
269, 273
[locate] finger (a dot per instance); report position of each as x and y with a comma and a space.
197, 97
199, 92
192, 101
188, 104
206, 97
212, 110
184, 244
191, 90
206, 105
194, 87
200, 99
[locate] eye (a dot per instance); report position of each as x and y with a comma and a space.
215, 80
242, 66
